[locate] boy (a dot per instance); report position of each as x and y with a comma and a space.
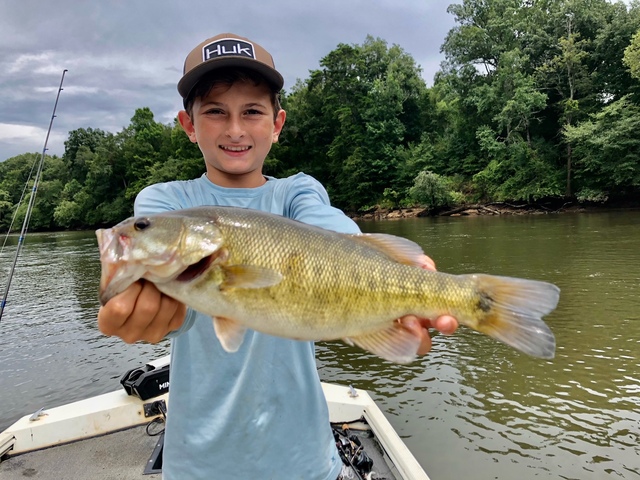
259, 412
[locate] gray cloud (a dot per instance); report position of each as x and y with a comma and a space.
123, 55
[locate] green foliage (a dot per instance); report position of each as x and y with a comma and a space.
516, 172
431, 190
68, 214
96, 179
632, 56
608, 149
6, 210
534, 100
590, 195
349, 122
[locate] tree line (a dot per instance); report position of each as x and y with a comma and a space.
535, 100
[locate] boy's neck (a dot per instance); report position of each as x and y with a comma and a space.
229, 180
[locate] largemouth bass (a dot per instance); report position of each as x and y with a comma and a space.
256, 270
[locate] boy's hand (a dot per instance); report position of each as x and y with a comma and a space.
141, 312
445, 324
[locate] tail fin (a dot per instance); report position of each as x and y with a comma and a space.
514, 308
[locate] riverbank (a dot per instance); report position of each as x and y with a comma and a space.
493, 208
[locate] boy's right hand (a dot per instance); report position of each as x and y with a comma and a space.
141, 312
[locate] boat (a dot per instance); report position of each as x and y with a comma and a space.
119, 435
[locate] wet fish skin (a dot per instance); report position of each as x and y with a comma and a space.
251, 269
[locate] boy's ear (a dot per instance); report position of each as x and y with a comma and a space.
279, 124
187, 125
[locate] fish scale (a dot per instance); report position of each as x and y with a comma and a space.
333, 291
254, 270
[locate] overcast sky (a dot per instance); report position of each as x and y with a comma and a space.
126, 54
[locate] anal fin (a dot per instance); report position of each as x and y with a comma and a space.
397, 343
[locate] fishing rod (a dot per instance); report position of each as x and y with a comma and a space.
25, 223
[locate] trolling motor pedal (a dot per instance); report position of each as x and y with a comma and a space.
147, 381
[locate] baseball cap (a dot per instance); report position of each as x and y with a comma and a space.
227, 50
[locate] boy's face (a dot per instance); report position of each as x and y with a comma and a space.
234, 127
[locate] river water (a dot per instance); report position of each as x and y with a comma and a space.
473, 408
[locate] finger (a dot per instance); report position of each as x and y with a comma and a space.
416, 326
178, 318
114, 314
160, 325
147, 306
445, 324
427, 263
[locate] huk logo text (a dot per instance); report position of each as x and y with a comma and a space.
227, 47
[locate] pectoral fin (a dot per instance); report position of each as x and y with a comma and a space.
229, 333
249, 276
397, 343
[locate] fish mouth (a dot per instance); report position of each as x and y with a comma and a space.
194, 270
117, 277
114, 279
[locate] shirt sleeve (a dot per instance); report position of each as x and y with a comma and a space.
155, 199
310, 204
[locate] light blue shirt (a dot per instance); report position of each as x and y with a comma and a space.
258, 413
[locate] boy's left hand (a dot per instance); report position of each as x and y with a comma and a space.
445, 324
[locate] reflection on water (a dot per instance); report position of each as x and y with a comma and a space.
473, 408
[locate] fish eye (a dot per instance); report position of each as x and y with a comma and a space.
141, 224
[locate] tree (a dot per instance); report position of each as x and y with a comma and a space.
566, 71
617, 25
6, 210
87, 138
609, 151
353, 112
632, 56
511, 96
69, 212
15, 172
183, 163
486, 29
145, 143
431, 189
502, 59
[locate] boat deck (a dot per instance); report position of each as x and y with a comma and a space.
124, 455
121, 455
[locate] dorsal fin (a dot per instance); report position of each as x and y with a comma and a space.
398, 248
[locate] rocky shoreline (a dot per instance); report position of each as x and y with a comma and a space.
495, 208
